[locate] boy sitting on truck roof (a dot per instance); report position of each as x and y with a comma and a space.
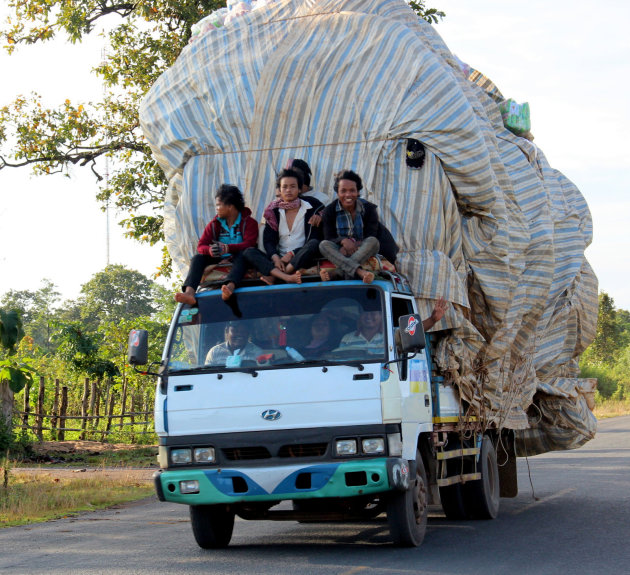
230, 232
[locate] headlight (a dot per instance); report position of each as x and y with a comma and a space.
373, 445
203, 454
189, 486
346, 446
394, 442
181, 456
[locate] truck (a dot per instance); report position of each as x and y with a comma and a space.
481, 218
347, 433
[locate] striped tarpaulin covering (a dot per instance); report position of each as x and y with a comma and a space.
486, 223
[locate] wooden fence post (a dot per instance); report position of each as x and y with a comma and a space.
94, 420
62, 413
27, 405
145, 408
55, 412
123, 401
110, 412
39, 418
84, 406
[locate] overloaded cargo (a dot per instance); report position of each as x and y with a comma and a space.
486, 222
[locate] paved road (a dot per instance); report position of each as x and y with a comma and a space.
578, 524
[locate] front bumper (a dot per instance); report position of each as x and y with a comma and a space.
238, 485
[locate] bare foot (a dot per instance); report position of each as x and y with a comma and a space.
183, 297
227, 290
367, 277
269, 280
324, 275
289, 269
295, 278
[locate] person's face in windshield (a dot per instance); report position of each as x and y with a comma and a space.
237, 336
320, 328
370, 321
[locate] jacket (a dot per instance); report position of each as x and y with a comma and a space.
248, 228
271, 237
370, 221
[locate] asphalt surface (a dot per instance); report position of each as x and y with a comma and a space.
572, 516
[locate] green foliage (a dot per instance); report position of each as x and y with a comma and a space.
606, 381
608, 357
144, 38
16, 373
89, 339
81, 350
10, 329
36, 309
431, 15
116, 293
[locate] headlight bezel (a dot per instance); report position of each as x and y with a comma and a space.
197, 452
177, 455
378, 447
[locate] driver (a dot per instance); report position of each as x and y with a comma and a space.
236, 345
368, 335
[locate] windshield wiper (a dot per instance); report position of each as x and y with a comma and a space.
349, 363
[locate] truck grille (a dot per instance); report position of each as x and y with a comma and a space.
240, 453
303, 450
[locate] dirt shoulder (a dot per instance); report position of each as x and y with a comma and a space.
78, 447
74, 458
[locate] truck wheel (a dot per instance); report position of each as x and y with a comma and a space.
482, 496
407, 511
212, 525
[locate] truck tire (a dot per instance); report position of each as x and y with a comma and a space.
407, 511
212, 525
481, 496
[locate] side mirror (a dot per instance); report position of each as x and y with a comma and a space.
138, 349
411, 333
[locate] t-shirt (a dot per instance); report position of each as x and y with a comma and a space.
355, 340
219, 353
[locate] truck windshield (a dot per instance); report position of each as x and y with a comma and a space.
268, 327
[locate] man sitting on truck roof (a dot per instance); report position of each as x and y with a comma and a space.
232, 231
236, 348
290, 241
350, 229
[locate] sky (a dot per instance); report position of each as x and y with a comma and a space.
569, 62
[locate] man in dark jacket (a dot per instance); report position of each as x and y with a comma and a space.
225, 238
350, 229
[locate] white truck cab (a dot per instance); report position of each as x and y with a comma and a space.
322, 394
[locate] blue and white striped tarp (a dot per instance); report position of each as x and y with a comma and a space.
486, 223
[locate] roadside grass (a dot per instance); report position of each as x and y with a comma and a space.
137, 457
33, 498
132, 457
611, 408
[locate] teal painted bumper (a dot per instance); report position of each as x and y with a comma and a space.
339, 479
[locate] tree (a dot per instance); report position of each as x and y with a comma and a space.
605, 346
116, 293
143, 41
14, 375
37, 311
